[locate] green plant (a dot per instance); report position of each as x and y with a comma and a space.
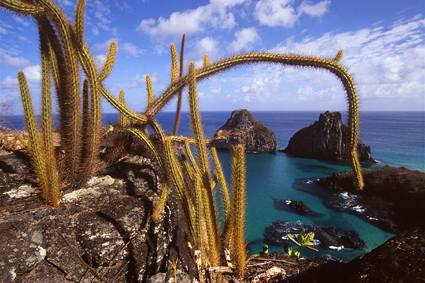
64, 52
301, 241
291, 252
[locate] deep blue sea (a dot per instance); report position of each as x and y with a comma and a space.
396, 139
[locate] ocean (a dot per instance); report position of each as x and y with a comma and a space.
396, 139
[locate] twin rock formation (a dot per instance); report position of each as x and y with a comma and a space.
325, 139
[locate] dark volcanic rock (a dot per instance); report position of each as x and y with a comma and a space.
297, 206
326, 140
392, 198
328, 237
400, 259
107, 222
243, 128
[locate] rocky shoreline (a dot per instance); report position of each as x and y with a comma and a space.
331, 238
392, 198
106, 226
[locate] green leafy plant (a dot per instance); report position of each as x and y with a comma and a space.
301, 241
195, 181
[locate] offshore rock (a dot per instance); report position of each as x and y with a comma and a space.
326, 140
326, 237
243, 128
297, 206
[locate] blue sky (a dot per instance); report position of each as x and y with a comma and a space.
383, 43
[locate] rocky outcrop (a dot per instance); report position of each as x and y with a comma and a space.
400, 259
297, 206
392, 198
326, 140
243, 128
326, 237
106, 226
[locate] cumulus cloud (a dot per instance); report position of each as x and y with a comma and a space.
9, 83
244, 39
160, 49
131, 49
282, 12
387, 64
140, 81
10, 61
207, 45
105, 45
100, 60
216, 15
32, 74
314, 10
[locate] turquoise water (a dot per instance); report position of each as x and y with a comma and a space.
396, 138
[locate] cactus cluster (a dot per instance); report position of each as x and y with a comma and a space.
194, 180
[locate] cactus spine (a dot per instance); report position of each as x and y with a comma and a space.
123, 120
180, 96
239, 211
37, 157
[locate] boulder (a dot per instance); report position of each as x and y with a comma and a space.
326, 237
243, 128
104, 226
400, 259
392, 198
326, 140
297, 206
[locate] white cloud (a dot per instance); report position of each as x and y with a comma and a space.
387, 63
131, 49
9, 83
10, 61
32, 74
207, 45
160, 49
282, 12
22, 21
105, 45
244, 39
95, 30
100, 60
214, 15
314, 10
275, 13
3, 30
102, 12
140, 81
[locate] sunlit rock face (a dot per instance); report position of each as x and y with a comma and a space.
243, 128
